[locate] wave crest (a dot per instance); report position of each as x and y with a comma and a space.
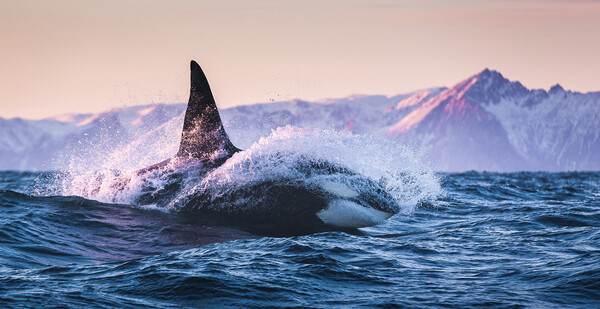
296, 153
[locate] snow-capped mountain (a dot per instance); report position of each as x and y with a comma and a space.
485, 122
490, 123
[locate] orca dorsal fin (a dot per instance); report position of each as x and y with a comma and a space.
203, 136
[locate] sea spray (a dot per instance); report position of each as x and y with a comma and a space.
282, 154
99, 178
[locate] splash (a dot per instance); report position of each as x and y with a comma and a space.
281, 155
100, 175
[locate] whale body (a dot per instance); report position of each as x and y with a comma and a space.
285, 205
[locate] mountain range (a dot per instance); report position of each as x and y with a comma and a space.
485, 122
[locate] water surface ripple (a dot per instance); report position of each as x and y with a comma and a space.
492, 240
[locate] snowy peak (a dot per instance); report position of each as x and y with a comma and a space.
468, 99
489, 87
556, 89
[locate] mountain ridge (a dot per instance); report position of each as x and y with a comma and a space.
485, 122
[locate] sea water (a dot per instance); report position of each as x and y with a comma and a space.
500, 240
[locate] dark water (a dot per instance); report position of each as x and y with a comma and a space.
493, 240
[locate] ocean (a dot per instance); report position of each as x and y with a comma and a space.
518, 240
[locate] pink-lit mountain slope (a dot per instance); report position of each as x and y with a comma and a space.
490, 123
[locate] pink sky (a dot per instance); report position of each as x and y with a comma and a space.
89, 56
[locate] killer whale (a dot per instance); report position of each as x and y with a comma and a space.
283, 206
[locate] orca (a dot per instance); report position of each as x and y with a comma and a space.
285, 206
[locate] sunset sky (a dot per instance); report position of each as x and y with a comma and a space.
89, 56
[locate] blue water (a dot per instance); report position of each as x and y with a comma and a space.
490, 240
